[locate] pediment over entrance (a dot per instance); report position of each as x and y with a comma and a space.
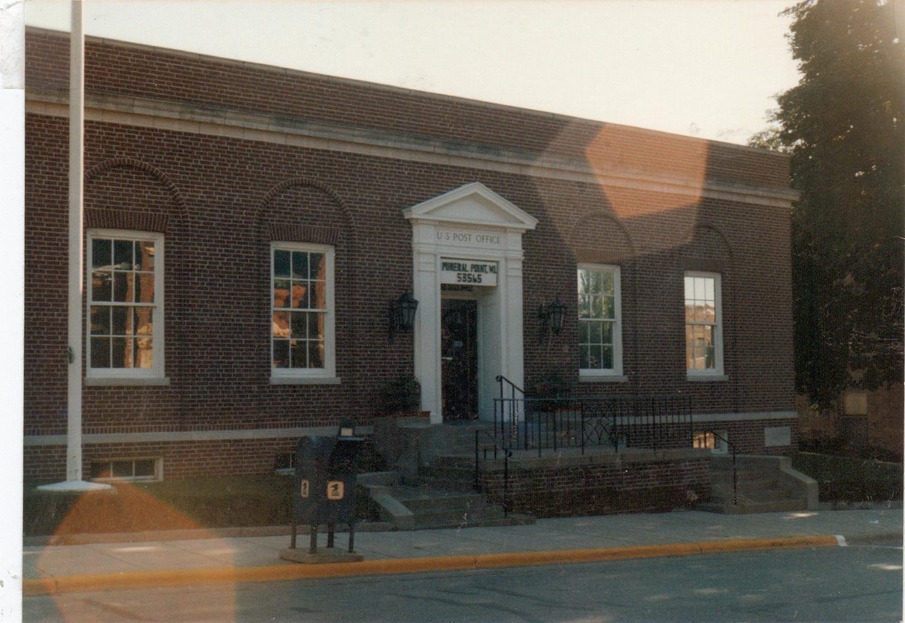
473, 204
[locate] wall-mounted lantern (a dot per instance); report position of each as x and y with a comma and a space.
551, 317
401, 315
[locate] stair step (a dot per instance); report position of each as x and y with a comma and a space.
744, 507
454, 518
481, 522
427, 503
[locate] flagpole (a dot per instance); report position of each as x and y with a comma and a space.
74, 480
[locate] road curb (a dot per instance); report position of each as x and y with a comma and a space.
183, 577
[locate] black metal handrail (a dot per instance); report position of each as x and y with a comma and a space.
506, 411
654, 422
734, 451
495, 447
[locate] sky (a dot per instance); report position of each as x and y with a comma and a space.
706, 68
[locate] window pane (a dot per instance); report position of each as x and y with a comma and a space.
606, 329
100, 320
299, 265
120, 356
606, 282
281, 353
100, 352
315, 354
689, 289
699, 289
281, 293
584, 331
609, 307
584, 306
596, 358
299, 325
298, 354
316, 326
144, 321
299, 296
122, 254
144, 257
584, 357
144, 291
606, 357
120, 320
122, 287
318, 295
595, 332
144, 352
281, 261
281, 324
597, 306
101, 289
318, 266
144, 467
101, 253
122, 469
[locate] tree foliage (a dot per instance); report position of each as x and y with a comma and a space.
843, 128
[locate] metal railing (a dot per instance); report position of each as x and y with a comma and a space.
523, 422
734, 452
491, 446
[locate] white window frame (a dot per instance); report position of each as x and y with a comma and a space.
154, 374
717, 372
616, 372
327, 374
157, 476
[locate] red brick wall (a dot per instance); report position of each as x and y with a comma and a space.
139, 71
220, 201
614, 486
180, 459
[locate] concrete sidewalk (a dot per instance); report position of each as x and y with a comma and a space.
254, 554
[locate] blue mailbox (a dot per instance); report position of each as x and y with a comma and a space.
325, 482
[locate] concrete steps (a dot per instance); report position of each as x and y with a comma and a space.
419, 504
766, 484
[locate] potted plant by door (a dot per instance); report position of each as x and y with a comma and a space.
550, 392
400, 397
555, 419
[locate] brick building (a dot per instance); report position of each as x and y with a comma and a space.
247, 228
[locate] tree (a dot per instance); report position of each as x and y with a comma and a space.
843, 128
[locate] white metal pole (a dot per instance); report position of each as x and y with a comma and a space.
74, 480
76, 184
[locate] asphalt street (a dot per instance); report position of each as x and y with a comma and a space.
860, 582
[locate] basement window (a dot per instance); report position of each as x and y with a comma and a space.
284, 464
710, 441
128, 470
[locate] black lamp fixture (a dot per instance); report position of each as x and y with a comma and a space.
401, 314
551, 317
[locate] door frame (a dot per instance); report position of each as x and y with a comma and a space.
469, 223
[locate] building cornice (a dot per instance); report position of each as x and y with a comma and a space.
295, 132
